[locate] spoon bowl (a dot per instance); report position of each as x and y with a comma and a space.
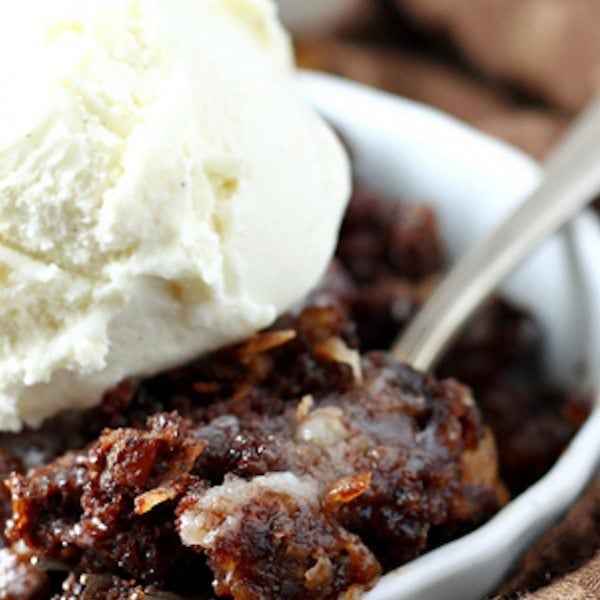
570, 181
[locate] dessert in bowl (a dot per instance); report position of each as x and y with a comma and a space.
229, 467
286, 465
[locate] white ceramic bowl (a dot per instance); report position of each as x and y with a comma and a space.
404, 149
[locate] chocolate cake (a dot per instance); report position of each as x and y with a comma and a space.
299, 464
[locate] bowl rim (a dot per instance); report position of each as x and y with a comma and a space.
444, 572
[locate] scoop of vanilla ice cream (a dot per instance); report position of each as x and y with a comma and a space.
163, 191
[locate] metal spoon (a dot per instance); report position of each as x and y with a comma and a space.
571, 181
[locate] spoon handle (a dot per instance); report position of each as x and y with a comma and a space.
571, 180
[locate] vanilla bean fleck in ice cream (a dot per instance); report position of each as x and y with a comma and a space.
163, 191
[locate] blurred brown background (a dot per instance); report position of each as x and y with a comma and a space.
519, 69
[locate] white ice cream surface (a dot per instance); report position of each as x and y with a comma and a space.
163, 191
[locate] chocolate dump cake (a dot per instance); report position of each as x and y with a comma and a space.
301, 463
